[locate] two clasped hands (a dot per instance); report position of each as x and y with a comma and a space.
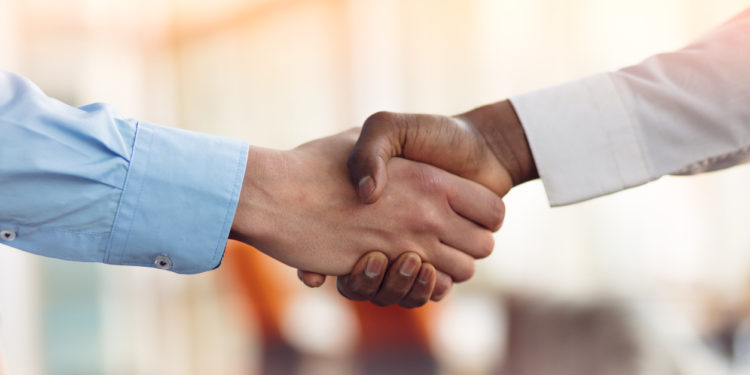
425, 200
427, 188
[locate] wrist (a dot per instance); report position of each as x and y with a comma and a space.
251, 217
503, 132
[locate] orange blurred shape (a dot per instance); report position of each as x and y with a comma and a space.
382, 329
257, 276
394, 328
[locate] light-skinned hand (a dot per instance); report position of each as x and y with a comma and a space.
298, 207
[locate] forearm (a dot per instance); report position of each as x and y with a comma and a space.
691, 107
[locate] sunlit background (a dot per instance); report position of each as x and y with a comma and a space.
654, 280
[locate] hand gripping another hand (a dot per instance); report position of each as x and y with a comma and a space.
486, 145
298, 207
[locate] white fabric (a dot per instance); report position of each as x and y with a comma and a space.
683, 112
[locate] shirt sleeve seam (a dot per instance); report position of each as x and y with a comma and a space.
595, 104
704, 165
632, 123
126, 184
235, 193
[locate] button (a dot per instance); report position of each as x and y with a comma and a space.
163, 262
7, 235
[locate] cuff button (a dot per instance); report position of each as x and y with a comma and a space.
163, 262
7, 235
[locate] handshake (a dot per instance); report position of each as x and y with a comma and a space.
425, 199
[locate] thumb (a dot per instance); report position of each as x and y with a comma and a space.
311, 279
379, 140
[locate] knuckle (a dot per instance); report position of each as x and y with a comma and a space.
422, 178
430, 181
379, 118
427, 221
354, 291
384, 299
417, 217
354, 161
396, 288
432, 189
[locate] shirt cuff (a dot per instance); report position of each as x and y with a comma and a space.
584, 141
179, 199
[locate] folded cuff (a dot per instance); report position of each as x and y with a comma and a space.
584, 141
179, 200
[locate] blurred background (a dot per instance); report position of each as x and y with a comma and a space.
653, 280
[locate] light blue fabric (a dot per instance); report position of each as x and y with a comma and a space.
84, 184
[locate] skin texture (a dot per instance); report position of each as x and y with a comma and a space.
487, 145
398, 289
298, 207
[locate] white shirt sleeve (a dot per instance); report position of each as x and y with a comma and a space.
682, 112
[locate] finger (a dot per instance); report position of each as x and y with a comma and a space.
398, 280
475, 202
443, 285
454, 262
378, 141
311, 279
468, 237
423, 287
365, 279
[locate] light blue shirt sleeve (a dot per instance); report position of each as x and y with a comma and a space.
84, 184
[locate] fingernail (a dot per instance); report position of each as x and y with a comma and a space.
424, 275
366, 186
409, 267
372, 270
